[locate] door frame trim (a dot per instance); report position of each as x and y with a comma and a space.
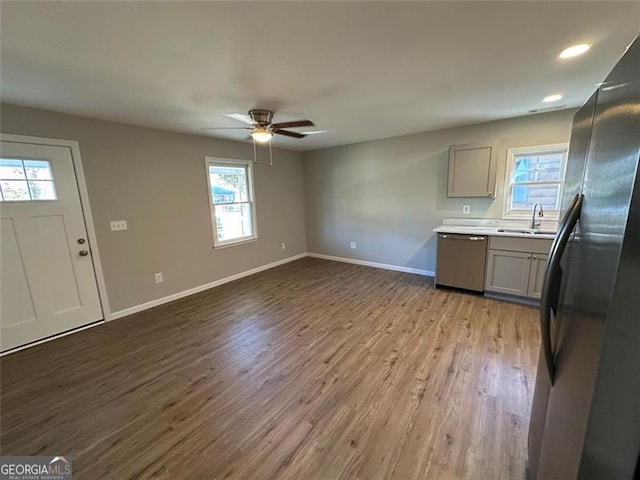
74, 148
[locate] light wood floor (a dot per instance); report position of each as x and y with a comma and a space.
312, 370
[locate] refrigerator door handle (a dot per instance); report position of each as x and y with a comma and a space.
551, 284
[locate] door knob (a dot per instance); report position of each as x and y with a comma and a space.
83, 253
81, 241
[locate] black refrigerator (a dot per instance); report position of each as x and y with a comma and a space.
585, 418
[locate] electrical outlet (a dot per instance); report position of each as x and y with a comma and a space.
159, 278
118, 225
284, 246
466, 209
353, 245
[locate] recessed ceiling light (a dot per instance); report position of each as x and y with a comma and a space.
552, 98
574, 50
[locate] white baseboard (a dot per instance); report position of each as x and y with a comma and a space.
385, 266
200, 288
185, 293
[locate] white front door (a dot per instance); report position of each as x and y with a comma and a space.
47, 278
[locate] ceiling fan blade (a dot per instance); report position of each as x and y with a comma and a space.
227, 128
297, 123
313, 132
241, 117
287, 133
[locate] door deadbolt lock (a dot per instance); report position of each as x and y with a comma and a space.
81, 241
83, 253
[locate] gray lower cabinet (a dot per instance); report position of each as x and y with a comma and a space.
516, 266
508, 272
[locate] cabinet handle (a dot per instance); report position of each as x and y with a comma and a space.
528, 257
535, 257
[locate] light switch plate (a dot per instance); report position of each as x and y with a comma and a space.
118, 225
353, 245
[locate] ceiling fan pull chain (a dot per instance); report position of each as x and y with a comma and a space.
270, 155
255, 158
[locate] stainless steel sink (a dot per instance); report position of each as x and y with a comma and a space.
526, 231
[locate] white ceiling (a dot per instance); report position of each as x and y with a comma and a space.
359, 70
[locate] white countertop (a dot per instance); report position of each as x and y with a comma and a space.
491, 230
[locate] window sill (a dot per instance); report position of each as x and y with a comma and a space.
235, 243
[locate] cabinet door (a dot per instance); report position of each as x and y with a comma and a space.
508, 272
472, 170
536, 275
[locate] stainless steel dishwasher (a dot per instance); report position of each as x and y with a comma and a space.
461, 261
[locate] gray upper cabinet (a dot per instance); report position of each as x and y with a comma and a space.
472, 170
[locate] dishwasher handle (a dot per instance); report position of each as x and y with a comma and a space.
473, 238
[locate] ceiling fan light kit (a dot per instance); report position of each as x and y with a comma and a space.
261, 134
262, 128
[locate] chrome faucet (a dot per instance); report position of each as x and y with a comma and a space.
535, 224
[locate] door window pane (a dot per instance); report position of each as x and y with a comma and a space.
42, 190
38, 170
26, 180
11, 169
15, 190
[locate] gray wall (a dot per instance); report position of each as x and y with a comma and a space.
156, 181
388, 195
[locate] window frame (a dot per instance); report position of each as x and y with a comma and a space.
228, 162
507, 212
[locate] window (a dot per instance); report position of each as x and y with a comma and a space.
231, 199
534, 174
26, 180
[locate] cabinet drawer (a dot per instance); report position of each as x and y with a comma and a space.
516, 244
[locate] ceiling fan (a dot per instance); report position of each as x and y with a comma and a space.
261, 126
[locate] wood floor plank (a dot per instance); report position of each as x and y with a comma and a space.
312, 370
